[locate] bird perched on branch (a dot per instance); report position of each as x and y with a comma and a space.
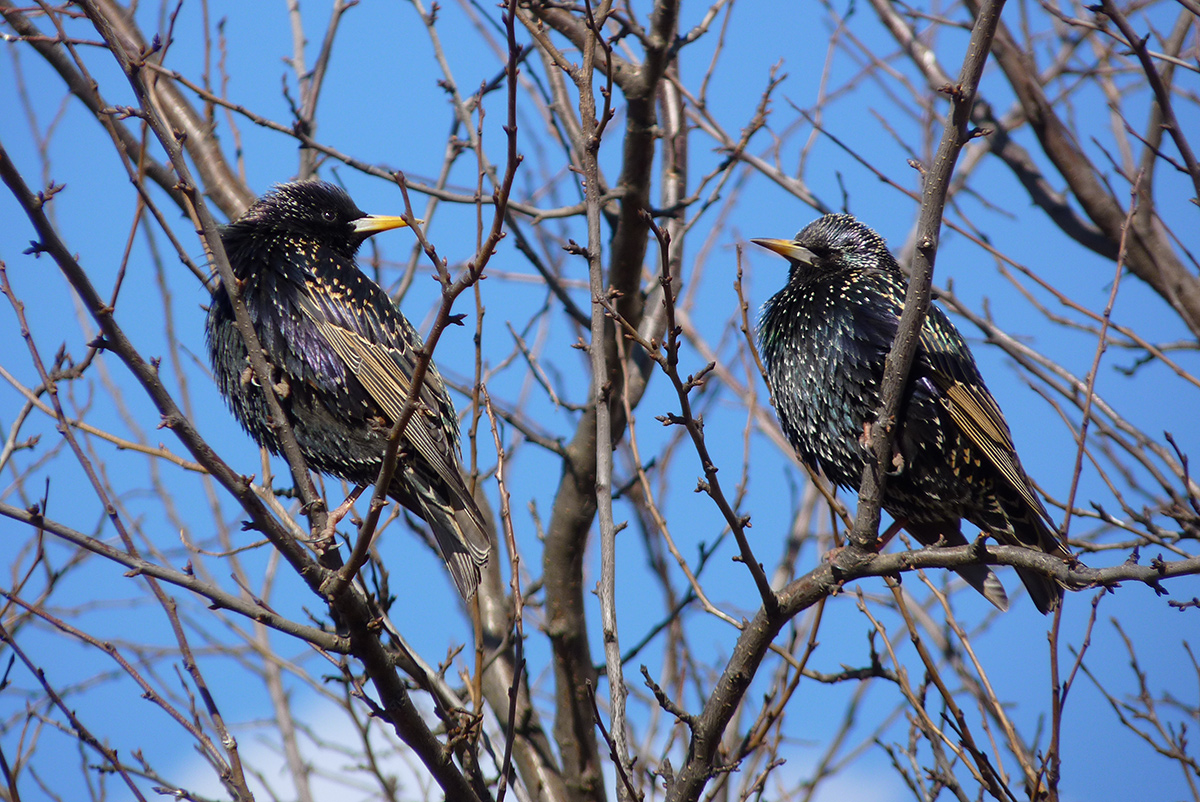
825, 337
342, 358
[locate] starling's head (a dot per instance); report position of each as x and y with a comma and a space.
833, 243
312, 211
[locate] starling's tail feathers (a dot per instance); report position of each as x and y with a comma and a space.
980, 577
460, 535
1034, 531
1027, 524
1045, 592
984, 580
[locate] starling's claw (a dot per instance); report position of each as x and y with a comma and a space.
338, 513
832, 555
864, 440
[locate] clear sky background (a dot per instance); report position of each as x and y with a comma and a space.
382, 103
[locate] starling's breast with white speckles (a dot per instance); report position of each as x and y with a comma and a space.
825, 339
822, 378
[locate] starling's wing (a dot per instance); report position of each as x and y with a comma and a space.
875, 326
380, 350
972, 406
944, 361
978, 415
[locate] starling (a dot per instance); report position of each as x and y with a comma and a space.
825, 337
342, 358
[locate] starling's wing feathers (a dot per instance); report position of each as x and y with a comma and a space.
973, 408
376, 366
944, 358
379, 369
943, 363
450, 528
976, 414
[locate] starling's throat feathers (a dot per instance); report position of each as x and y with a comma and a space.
824, 339
346, 356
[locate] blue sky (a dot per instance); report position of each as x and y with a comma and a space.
382, 103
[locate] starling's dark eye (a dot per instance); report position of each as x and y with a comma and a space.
330, 215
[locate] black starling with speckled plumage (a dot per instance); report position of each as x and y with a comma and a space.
825, 337
342, 358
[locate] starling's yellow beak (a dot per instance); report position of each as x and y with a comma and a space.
374, 223
787, 249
